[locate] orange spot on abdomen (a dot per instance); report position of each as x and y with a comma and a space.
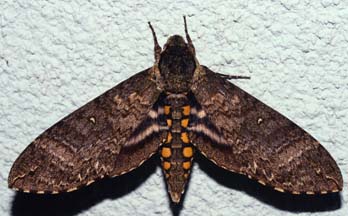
186, 165
186, 110
166, 152
184, 123
166, 110
169, 122
169, 137
187, 152
184, 137
166, 165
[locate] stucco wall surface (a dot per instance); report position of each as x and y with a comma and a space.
57, 55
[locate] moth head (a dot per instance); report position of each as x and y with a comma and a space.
176, 62
175, 41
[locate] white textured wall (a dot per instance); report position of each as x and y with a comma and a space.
57, 55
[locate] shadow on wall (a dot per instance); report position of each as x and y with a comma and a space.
81, 200
269, 196
78, 201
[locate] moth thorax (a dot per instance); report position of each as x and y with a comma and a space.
177, 67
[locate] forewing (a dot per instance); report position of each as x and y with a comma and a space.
89, 143
257, 141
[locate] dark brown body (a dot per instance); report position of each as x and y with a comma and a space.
175, 108
177, 151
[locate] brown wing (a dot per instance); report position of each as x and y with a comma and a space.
255, 140
88, 144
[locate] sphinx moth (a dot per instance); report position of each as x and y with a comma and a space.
177, 108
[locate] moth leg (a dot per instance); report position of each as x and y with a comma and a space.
225, 76
157, 47
188, 38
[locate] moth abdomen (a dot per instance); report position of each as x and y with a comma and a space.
177, 151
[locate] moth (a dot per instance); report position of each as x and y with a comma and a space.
177, 108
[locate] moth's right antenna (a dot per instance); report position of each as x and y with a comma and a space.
157, 47
189, 41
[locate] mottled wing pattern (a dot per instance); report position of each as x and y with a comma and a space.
88, 144
259, 142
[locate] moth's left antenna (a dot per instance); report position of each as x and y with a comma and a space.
157, 47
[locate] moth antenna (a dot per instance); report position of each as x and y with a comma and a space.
188, 38
157, 47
